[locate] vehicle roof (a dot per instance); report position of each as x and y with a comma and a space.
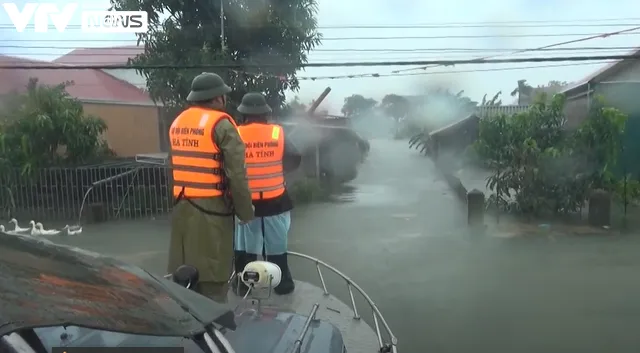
45, 284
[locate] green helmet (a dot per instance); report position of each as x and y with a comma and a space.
254, 103
207, 86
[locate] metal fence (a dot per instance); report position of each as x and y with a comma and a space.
115, 191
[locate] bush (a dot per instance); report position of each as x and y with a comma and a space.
46, 126
308, 190
540, 167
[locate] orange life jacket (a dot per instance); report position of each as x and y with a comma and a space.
196, 160
263, 156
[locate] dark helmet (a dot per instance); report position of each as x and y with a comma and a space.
207, 86
254, 103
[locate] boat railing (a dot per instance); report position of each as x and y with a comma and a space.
378, 319
389, 346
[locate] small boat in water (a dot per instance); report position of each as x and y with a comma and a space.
59, 296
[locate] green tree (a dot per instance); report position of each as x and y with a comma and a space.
527, 94
494, 101
395, 106
539, 166
45, 126
356, 105
189, 34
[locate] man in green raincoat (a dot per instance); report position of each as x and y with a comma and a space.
209, 184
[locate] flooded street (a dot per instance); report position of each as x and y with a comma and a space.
400, 233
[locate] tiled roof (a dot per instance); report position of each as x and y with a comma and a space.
88, 84
101, 56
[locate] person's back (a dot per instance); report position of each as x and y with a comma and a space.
209, 185
268, 157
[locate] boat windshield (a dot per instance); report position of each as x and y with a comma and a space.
74, 336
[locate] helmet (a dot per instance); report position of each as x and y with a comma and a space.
254, 103
207, 86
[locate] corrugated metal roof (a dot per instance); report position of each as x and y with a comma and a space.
598, 75
88, 83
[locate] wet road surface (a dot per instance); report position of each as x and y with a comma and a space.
400, 234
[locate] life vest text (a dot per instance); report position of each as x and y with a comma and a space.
259, 154
187, 131
261, 144
185, 142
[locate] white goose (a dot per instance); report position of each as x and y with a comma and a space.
34, 230
43, 231
72, 230
4, 230
17, 228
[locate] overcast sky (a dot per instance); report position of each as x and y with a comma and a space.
340, 13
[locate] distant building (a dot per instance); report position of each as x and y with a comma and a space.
116, 96
618, 83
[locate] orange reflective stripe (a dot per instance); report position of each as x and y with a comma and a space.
197, 154
265, 176
196, 160
264, 144
266, 164
184, 168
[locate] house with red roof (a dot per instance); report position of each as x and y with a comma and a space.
118, 96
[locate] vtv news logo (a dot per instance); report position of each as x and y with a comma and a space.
91, 21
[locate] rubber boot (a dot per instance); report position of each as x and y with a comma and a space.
286, 285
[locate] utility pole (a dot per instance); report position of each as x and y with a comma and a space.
223, 43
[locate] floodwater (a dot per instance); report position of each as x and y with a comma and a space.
400, 233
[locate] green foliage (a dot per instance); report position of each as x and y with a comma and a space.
357, 105
494, 101
308, 190
395, 106
541, 167
273, 32
45, 126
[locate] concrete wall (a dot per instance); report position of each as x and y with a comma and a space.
132, 129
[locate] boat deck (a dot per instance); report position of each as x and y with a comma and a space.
358, 336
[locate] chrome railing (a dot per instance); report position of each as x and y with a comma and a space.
385, 347
377, 315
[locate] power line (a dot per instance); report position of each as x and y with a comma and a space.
384, 75
540, 35
465, 50
36, 66
601, 35
377, 75
89, 59
327, 57
119, 51
517, 23
589, 24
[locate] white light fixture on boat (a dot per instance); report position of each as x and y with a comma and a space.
261, 274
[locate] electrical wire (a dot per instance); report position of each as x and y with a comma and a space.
385, 75
119, 51
37, 66
448, 25
427, 73
105, 58
584, 39
471, 36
